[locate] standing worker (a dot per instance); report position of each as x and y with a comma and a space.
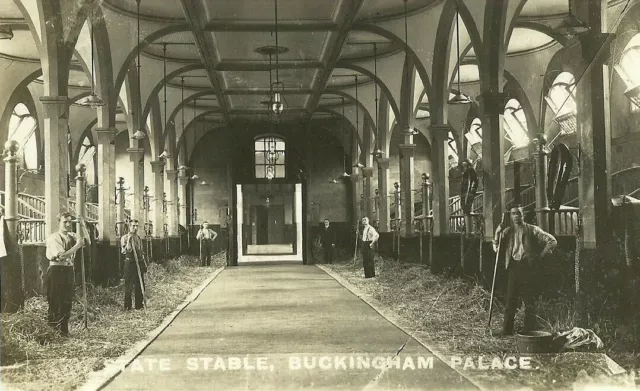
206, 236
369, 238
60, 251
525, 246
134, 266
328, 239
468, 187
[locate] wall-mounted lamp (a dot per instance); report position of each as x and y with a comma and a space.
6, 32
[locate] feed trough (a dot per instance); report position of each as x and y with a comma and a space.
535, 342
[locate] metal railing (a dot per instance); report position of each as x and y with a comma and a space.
31, 231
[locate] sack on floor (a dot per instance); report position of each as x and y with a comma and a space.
578, 339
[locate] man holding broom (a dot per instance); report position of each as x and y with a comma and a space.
523, 246
134, 266
61, 248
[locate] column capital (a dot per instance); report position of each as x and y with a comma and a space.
135, 154
492, 101
157, 166
383, 163
440, 131
172, 174
105, 135
54, 106
407, 149
367, 172
183, 180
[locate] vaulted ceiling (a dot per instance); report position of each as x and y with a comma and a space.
222, 40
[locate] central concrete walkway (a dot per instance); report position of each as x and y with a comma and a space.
283, 327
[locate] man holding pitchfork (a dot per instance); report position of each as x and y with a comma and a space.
134, 267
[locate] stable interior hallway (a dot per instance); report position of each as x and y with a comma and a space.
286, 314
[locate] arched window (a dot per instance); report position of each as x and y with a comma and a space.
22, 128
627, 69
562, 101
453, 151
270, 157
515, 124
474, 140
86, 157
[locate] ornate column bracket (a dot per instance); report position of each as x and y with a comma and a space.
135, 154
54, 106
105, 136
183, 180
492, 101
383, 163
367, 172
172, 175
157, 166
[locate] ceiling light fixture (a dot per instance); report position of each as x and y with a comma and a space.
571, 26
93, 100
6, 32
377, 152
277, 87
140, 133
458, 97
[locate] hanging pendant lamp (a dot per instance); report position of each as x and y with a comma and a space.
458, 97
140, 133
571, 26
6, 32
277, 87
344, 157
93, 100
377, 152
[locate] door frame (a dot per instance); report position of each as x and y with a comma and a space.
297, 256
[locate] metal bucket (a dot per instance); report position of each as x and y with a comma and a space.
535, 342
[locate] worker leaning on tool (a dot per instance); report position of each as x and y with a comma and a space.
61, 248
134, 266
525, 245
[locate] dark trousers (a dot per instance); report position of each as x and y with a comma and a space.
132, 282
367, 260
328, 253
60, 294
520, 288
205, 256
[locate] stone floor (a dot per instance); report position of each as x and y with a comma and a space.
283, 327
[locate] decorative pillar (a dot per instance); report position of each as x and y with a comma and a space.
407, 151
183, 181
355, 180
107, 178
493, 175
594, 237
367, 173
11, 272
383, 190
55, 154
594, 135
439, 151
120, 195
11, 187
158, 188
542, 165
172, 205
136, 155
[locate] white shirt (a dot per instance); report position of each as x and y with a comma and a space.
206, 234
369, 234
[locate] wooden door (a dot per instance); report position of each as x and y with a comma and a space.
276, 224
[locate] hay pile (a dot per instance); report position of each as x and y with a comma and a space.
410, 290
38, 358
457, 323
